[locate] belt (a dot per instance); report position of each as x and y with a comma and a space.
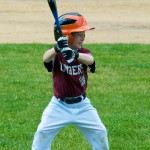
73, 100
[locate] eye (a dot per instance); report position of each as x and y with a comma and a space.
82, 35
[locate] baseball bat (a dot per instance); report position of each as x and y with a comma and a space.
53, 7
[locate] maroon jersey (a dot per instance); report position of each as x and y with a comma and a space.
69, 79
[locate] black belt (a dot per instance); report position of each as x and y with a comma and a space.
73, 100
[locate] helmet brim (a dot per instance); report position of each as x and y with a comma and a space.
83, 28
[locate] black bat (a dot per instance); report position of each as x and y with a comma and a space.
53, 7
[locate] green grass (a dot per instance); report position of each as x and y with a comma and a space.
120, 91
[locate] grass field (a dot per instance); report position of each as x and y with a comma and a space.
120, 91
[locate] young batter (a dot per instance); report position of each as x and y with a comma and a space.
68, 61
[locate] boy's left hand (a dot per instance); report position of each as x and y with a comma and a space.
69, 54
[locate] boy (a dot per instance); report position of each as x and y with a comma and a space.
68, 61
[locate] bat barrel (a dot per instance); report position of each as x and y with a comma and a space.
53, 7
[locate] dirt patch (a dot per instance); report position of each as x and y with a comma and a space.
116, 21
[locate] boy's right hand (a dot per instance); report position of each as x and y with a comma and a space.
62, 42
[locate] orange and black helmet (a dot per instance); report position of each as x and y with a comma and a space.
71, 22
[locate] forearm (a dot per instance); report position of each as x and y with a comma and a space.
49, 55
86, 58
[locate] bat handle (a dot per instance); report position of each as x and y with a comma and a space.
59, 27
60, 32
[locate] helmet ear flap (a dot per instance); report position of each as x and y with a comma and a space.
57, 36
70, 38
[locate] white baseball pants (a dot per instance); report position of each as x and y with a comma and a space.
58, 114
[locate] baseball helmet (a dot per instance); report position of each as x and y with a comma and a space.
71, 22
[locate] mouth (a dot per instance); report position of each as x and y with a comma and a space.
80, 43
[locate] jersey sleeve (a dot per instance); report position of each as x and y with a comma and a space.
92, 67
49, 66
86, 51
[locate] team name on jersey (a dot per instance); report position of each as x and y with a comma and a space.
71, 70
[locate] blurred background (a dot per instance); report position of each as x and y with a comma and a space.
116, 21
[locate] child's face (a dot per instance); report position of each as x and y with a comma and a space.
78, 38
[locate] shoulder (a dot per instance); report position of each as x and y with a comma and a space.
84, 50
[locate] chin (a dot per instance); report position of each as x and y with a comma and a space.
79, 46
76, 46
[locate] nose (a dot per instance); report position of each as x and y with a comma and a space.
83, 37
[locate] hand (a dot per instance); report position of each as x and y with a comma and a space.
69, 54
62, 42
